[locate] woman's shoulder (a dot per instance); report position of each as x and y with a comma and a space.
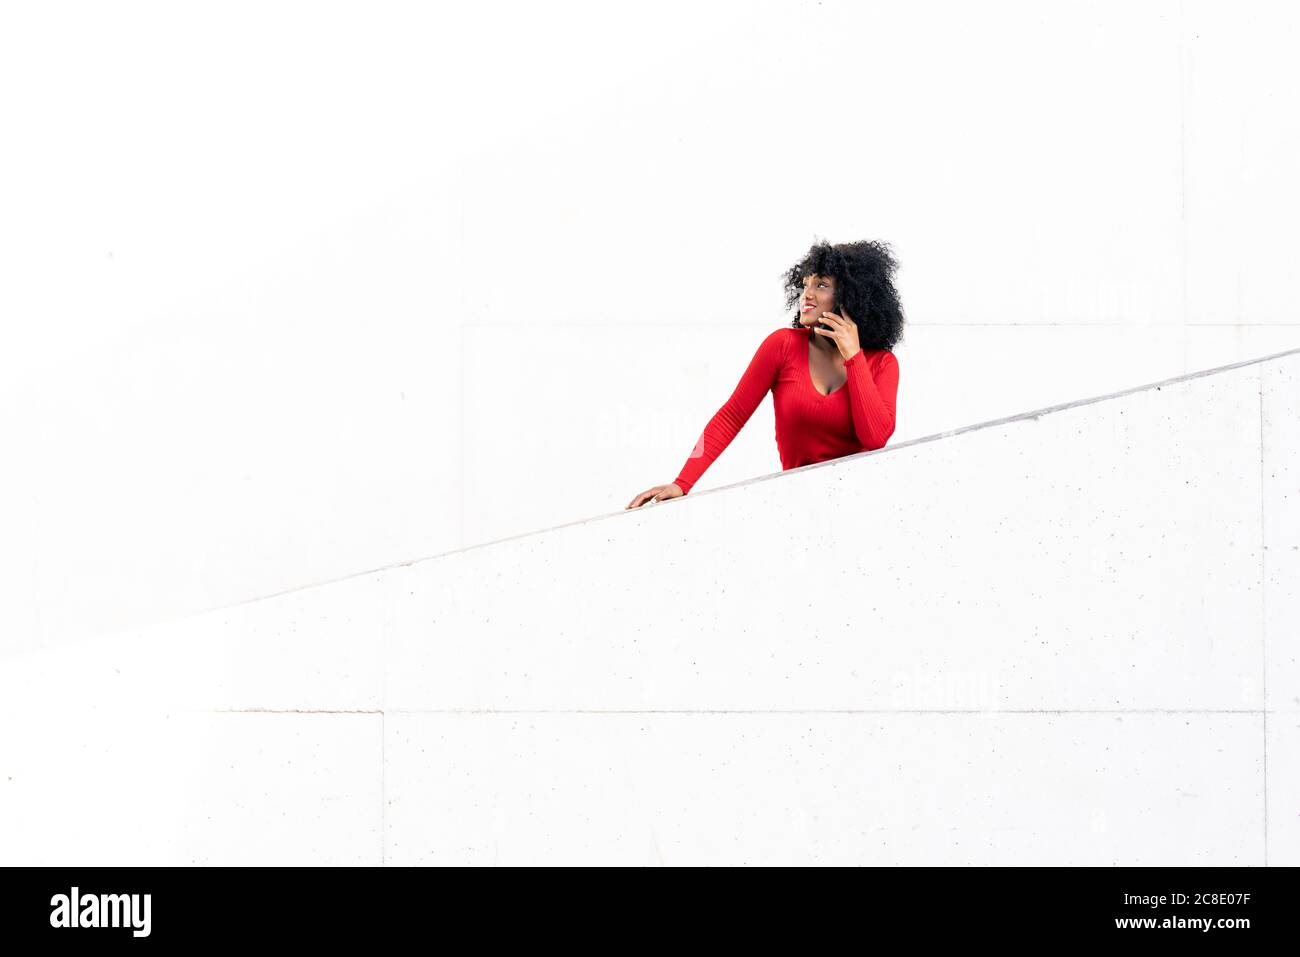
785, 336
884, 364
779, 340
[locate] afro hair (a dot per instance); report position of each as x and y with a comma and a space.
864, 283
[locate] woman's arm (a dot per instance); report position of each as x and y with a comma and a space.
757, 380
872, 400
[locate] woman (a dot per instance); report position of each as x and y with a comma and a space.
832, 375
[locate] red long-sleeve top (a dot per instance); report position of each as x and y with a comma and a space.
810, 427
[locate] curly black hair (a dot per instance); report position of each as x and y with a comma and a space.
864, 282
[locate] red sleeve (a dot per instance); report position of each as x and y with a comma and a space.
872, 399
757, 380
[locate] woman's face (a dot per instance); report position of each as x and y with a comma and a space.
818, 297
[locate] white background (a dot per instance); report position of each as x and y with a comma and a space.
291, 291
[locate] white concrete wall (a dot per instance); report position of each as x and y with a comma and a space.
1065, 638
299, 290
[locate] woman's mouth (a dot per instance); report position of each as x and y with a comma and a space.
808, 308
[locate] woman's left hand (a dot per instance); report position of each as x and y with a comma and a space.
843, 330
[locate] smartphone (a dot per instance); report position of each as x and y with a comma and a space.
838, 308
835, 308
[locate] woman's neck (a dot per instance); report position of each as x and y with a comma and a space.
821, 342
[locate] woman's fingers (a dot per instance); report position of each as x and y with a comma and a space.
650, 494
639, 500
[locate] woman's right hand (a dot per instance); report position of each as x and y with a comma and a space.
660, 493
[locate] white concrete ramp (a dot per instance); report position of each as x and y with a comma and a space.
1069, 637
